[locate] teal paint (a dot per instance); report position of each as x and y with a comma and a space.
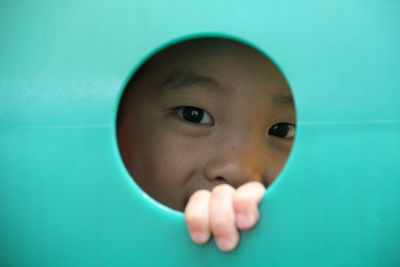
66, 198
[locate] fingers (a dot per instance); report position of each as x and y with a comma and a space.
222, 212
197, 216
245, 204
222, 218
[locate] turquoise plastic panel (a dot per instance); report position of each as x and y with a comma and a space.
66, 198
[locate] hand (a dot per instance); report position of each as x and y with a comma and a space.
222, 213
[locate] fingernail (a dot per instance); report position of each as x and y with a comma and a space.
198, 237
225, 244
243, 221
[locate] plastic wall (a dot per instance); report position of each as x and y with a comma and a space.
67, 200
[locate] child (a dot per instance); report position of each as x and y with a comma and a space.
206, 124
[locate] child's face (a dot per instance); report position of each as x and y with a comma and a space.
205, 114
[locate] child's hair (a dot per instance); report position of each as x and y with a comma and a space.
194, 44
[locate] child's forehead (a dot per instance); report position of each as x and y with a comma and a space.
212, 64
224, 63
208, 54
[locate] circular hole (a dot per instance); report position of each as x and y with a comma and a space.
202, 112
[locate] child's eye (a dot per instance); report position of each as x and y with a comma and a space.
283, 130
194, 115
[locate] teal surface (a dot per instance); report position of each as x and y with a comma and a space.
66, 198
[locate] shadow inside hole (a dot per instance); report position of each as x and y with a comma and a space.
202, 112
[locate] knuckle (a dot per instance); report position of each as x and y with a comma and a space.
200, 194
219, 228
252, 186
222, 188
194, 220
243, 199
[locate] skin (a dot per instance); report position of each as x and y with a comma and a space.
216, 167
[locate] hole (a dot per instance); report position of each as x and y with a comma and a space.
189, 104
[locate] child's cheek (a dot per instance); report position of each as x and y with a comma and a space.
168, 165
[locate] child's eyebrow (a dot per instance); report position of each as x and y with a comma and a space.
283, 100
184, 78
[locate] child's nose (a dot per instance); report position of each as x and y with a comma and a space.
235, 163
